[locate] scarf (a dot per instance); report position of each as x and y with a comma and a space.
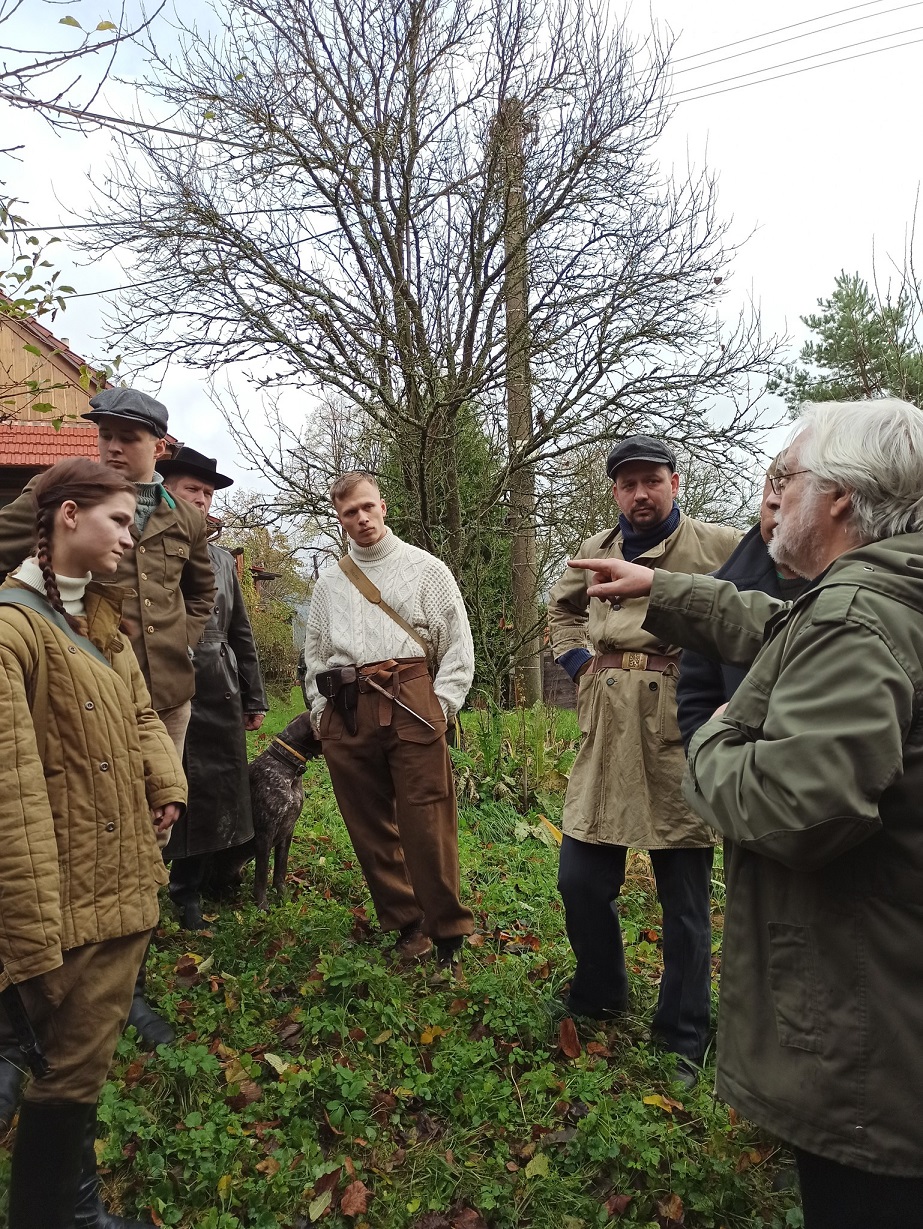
635, 543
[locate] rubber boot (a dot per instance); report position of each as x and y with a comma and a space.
152, 1028
186, 878
89, 1209
46, 1163
11, 1081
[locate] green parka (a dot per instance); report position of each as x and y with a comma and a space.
83, 758
815, 773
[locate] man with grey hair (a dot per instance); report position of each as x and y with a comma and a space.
814, 770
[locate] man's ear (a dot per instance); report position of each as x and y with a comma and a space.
160, 448
674, 484
841, 504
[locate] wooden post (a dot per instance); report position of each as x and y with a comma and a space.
528, 665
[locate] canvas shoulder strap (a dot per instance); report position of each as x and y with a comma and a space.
34, 601
371, 593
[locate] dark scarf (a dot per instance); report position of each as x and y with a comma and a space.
635, 544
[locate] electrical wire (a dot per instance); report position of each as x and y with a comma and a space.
864, 42
860, 55
778, 30
792, 38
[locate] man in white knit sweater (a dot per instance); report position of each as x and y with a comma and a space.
390, 767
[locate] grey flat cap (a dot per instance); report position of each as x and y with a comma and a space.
640, 448
133, 406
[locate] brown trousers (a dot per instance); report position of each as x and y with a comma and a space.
78, 1012
393, 784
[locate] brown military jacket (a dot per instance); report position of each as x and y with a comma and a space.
171, 574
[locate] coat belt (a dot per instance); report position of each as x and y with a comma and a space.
625, 659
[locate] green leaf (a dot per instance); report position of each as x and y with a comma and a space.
538, 1166
34, 350
317, 1207
70, 21
106, 25
209, 115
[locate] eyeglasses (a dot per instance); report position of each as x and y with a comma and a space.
779, 482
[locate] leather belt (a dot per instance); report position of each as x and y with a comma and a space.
398, 669
627, 660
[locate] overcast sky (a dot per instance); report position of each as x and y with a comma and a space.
821, 165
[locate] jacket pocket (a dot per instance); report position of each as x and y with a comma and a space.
793, 986
175, 556
585, 701
667, 724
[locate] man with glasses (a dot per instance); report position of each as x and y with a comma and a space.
814, 773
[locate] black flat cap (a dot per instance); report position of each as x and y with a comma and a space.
640, 448
188, 461
133, 406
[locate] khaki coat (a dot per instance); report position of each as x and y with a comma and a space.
169, 586
83, 758
624, 786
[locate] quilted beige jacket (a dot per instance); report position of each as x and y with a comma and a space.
83, 757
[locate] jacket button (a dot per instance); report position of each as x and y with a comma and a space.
147, 601
104, 766
144, 575
181, 551
609, 682
227, 695
110, 827
141, 550
72, 648
653, 686
89, 704
150, 627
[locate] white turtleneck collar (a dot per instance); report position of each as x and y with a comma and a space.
71, 588
378, 550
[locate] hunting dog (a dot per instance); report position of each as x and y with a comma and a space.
276, 797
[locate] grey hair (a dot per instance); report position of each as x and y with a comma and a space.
874, 450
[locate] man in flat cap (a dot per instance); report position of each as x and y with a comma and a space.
624, 789
229, 699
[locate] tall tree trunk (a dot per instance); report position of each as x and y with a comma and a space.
528, 663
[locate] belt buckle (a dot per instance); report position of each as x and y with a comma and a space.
634, 661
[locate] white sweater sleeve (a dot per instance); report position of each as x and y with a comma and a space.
450, 635
316, 648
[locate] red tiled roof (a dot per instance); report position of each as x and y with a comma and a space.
37, 443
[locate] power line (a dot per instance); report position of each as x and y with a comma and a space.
779, 30
792, 38
860, 55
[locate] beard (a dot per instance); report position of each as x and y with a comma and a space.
795, 543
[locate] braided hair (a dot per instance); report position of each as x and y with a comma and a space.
87, 483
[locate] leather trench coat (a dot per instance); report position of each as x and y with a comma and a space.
228, 685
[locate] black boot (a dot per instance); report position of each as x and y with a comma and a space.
11, 1079
89, 1209
46, 1163
186, 878
152, 1028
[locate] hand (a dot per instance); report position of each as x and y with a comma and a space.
718, 711
164, 818
253, 721
614, 579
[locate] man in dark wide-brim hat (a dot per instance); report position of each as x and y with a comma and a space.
229, 699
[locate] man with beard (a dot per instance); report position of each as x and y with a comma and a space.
814, 771
624, 786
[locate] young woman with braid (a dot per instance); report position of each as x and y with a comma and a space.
88, 780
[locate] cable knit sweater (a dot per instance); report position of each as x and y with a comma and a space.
344, 628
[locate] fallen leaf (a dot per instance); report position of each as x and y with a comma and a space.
429, 1035
278, 1064
268, 1167
466, 1218
317, 1207
670, 1212
568, 1041
476, 940
538, 1166
665, 1103
355, 1199
457, 1006
382, 1037
616, 1204
225, 1182
597, 1048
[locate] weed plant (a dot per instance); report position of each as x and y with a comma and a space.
316, 1081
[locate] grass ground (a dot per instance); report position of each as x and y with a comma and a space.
316, 1081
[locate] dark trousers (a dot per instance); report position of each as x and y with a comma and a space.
590, 878
836, 1196
187, 876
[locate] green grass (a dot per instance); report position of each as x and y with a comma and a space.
309, 1061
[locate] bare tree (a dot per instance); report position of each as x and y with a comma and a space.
52, 80
342, 231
